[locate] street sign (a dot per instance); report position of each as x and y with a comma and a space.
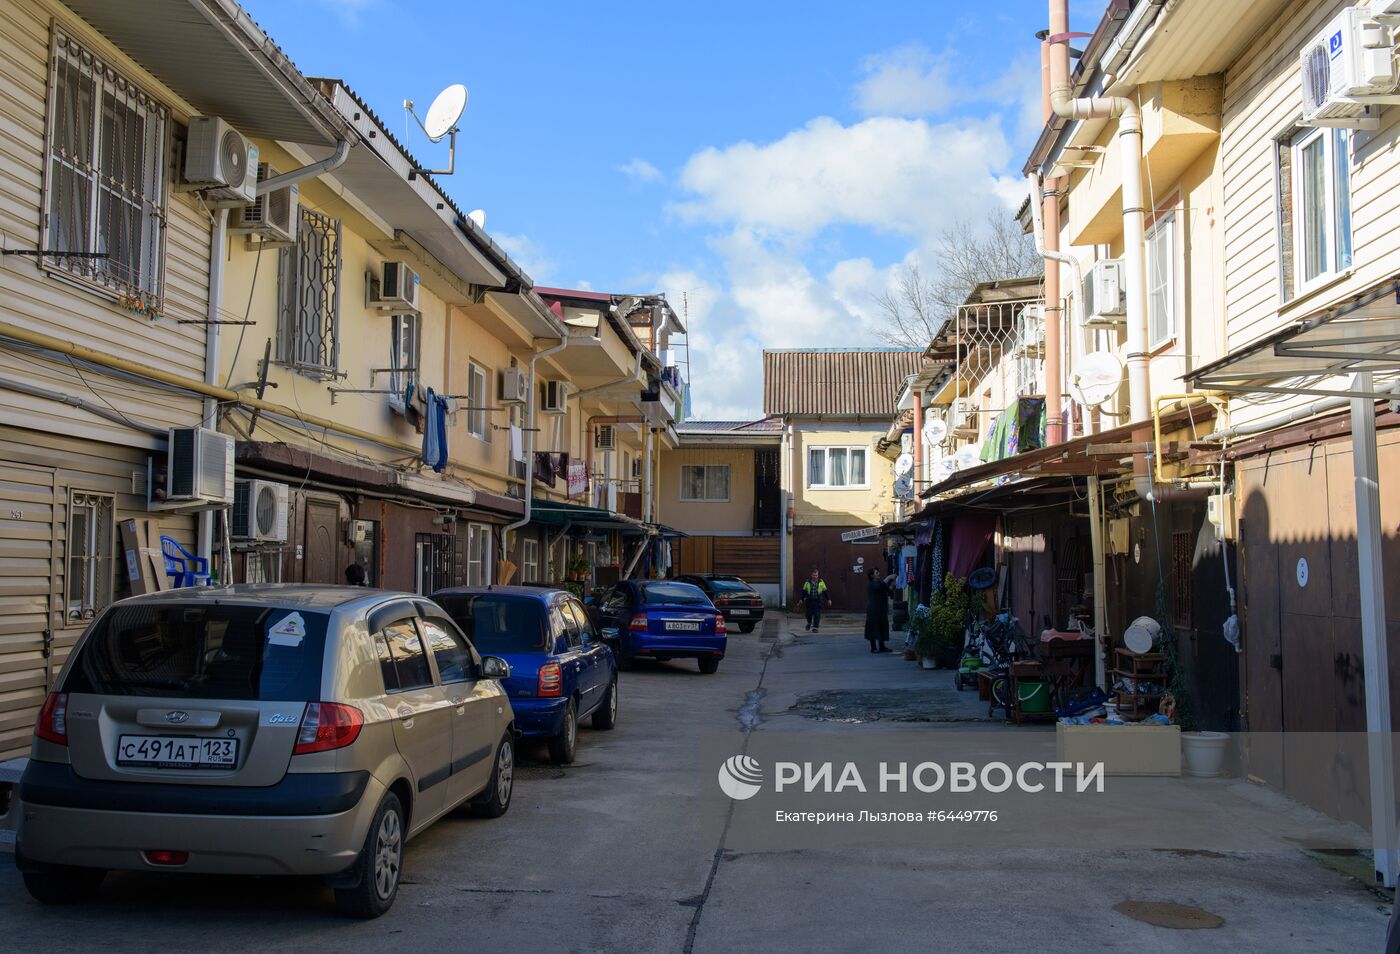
864, 533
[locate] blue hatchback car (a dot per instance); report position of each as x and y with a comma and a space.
661, 619
560, 670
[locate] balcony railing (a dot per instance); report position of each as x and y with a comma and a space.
997, 354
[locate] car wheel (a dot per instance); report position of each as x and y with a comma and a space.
709, 665
493, 802
60, 884
378, 866
563, 746
605, 716
746, 627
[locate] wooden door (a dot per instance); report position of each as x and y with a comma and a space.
325, 559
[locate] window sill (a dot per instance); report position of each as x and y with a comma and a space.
844, 487
1311, 295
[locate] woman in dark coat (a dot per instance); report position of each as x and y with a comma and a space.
877, 612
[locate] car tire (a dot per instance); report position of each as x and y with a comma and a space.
605, 716
495, 800
379, 865
564, 746
709, 665
61, 884
746, 627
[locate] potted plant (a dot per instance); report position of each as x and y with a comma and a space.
578, 567
948, 619
925, 638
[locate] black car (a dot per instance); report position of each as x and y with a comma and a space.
739, 602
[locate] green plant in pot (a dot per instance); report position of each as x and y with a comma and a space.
948, 621
925, 642
578, 567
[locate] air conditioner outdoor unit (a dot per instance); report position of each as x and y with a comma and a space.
515, 386
199, 467
555, 397
1105, 295
1347, 68
259, 511
273, 215
398, 287
605, 437
219, 159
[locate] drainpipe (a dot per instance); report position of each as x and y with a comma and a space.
1129, 118
218, 244
530, 440
646, 472
789, 516
328, 164
917, 444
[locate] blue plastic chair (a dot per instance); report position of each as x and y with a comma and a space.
182, 565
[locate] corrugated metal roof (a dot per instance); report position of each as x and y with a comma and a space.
836, 383
762, 424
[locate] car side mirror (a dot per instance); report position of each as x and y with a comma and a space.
494, 667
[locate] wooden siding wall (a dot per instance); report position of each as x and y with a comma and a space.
31, 298
756, 559
37, 474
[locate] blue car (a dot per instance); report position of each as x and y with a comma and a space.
560, 671
661, 619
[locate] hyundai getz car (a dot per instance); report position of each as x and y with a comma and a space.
261, 729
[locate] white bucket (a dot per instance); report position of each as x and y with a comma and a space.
929, 663
1205, 752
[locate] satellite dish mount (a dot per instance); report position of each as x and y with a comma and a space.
441, 121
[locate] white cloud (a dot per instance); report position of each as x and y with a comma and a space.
905, 81
906, 176
639, 170
528, 255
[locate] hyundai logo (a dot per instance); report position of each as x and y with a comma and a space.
177, 716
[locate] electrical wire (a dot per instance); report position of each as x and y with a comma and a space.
247, 311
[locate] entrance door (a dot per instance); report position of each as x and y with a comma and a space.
767, 494
324, 563
27, 594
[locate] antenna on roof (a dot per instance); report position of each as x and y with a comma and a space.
441, 121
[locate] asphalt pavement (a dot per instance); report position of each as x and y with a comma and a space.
611, 854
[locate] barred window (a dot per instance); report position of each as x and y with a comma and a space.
403, 356
105, 197
308, 282
90, 548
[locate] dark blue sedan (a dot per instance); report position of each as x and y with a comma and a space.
560, 670
662, 619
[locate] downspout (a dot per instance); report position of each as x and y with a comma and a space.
646, 472
1129, 118
328, 164
218, 245
530, 440
789, 517
917, 444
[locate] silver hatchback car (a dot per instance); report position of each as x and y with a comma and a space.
261, 729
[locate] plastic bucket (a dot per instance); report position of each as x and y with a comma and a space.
1033, 695
1204, 752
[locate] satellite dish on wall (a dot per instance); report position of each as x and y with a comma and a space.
478, 217
935, 430
445, 111
945, 466
1098, 378
904, 487
904, 464
969, 456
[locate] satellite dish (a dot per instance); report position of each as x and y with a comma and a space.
945, 466
904, 487
1141, 634
445, 111
935, 430
478, 217
1097, 378
969, 456
904, 464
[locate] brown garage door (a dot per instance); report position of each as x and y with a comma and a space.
26, 594
843, 565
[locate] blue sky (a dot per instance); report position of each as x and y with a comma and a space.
774, 162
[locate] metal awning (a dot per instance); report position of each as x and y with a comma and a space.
1362, 334
576, 516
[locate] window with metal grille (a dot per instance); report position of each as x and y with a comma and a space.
434, 561
1183, 560
104, 187
308, 320
478, 554
477, 398
403, 356
90, 547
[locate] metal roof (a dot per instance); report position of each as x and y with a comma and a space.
214, 56
836, 383
760, 425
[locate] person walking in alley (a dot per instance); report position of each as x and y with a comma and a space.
877, 610
813, 594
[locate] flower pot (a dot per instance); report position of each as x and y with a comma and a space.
1205, 752
928, 662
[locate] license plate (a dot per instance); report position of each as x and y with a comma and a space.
738, 612
178, 752
679, 627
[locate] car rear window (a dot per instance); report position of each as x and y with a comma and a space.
497, 624
678, 594
730, 586
203, 651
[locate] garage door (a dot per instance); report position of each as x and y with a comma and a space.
26, 593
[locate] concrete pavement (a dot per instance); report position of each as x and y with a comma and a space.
609, 854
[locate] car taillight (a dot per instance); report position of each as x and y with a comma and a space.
52, 725
551, 680
721, 628
326, 726
164, 856
638, 624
